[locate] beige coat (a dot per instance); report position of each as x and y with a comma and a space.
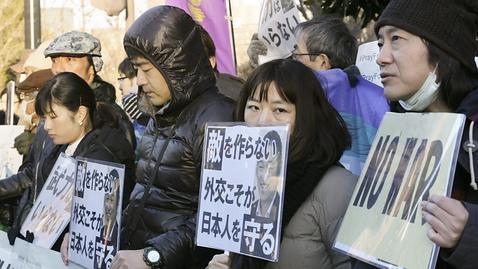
310, 234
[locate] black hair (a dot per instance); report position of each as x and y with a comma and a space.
457, 81
127, 68
319, 133
104, 91
329, 35
71, 91
208, 44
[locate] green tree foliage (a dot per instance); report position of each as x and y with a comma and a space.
362, 10
11, 36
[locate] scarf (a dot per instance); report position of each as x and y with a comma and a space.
301, 179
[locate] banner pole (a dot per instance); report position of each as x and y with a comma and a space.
231, 32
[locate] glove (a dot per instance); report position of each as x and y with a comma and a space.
13, 233
23, 141
256, 48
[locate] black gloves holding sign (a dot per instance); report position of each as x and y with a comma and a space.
13, 233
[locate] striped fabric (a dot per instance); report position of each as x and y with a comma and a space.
130, 106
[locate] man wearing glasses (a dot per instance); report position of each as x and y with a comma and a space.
326, 46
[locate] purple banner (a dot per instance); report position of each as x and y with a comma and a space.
212, 16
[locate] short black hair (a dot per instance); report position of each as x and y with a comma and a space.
320, 134
456, 79
126, 67
104, 91
208, 44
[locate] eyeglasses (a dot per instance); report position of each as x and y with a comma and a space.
296, 56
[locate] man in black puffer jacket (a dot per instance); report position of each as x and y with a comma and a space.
177, 89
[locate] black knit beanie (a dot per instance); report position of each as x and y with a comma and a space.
451, 25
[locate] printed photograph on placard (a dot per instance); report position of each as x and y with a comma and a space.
242, 185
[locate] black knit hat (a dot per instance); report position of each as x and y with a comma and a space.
451, 25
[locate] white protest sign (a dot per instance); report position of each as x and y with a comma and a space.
28, 256
96, 213
276, 28
242, 185
366, 62
50, 213
412, 157
10, 159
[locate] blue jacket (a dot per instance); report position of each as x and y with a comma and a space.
361, 106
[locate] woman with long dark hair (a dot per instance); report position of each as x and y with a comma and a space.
78, 126
317, 188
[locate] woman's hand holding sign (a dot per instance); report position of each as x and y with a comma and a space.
447, 218
220, 261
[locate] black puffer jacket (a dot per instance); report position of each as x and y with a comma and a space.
104, 144
171, 41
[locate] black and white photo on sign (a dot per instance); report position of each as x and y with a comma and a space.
50, 214
94, 226
241, 203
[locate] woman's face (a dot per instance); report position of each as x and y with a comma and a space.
62, 125
273, 110
403, 61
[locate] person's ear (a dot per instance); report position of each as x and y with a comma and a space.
321, 62
213, 61
81, 115
91, 75
324, 61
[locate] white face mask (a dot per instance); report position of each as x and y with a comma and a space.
25, 118
425, 96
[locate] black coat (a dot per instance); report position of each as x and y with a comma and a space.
104, 144
171, 41
463, 255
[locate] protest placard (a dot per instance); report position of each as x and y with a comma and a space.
96, 213
366, 62
277, 22
10, 159
242, 185
28, 256
413, 156
50, 213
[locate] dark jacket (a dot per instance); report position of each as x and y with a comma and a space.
229, 85
463, 255
104, 144
171, 41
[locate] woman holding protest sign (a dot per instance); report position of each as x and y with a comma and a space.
426, 59
78, 126
317, 189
